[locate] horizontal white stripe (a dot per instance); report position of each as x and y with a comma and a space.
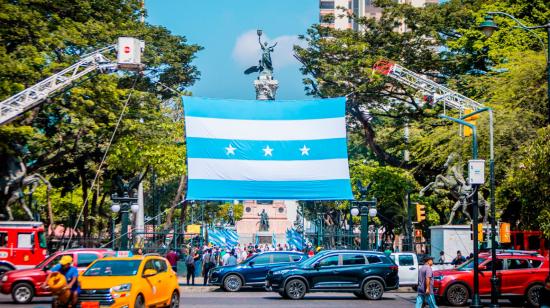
265, 170
265, 129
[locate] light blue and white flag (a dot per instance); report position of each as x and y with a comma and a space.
294, 239
266, 150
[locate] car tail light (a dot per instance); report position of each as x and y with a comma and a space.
394, 268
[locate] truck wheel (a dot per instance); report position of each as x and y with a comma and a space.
22, 293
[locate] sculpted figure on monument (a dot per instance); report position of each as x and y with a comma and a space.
265, 65
453, 182
264, 221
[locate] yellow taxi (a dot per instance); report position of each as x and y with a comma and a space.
139, 281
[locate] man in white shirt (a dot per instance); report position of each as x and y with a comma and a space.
225, 257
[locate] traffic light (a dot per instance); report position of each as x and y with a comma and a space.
472, 120
420, 212
505, 233
479, 232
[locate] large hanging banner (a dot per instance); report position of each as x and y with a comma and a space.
266, 150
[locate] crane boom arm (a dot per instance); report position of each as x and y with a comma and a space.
17, 104
440, 93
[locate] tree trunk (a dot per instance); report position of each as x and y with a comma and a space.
183, 214
179, 194
370, 141
50, 213
93, 210
86, 211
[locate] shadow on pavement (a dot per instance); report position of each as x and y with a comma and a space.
329, 298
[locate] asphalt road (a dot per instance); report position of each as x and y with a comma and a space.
271, 299
255, 299
40, 302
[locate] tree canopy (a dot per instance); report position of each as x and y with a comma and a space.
66, 138
442, 42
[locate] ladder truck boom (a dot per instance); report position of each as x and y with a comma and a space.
14, 106
440, 93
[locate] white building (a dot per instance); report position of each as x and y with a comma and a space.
361, 8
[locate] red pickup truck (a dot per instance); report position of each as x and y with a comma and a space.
25, 284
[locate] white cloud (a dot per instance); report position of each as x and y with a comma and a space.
247, 49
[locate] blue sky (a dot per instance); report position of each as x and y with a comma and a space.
227, 31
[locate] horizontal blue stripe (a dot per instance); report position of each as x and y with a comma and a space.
253, 150
269, 190
264, 110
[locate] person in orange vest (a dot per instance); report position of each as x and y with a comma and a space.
66, 268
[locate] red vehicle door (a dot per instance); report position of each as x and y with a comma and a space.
485, 275
515, 279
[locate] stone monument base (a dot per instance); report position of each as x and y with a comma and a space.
266, 87
450, 239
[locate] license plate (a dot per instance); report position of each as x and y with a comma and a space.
89, 304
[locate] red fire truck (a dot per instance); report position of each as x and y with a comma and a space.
22, 245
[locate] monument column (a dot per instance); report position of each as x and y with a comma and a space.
275, 213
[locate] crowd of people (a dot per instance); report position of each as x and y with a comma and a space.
208, 256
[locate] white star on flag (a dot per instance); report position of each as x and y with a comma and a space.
305, 150
230, 150
267, 151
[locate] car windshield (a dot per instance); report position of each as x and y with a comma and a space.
469, 265
48, 259
113, 268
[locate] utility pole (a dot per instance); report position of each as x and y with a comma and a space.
408, 196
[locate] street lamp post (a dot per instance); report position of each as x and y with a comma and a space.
488, 27
365, 209
476, 301
124, 205
494, 277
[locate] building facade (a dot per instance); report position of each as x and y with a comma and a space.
281, 215
333, 13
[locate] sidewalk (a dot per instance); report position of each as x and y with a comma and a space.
198, 287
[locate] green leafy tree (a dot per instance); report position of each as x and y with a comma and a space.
66, 138
524, 193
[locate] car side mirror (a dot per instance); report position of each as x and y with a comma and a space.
251, 263
149, 273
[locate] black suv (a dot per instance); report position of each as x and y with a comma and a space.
365, 273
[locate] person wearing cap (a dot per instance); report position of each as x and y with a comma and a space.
66, 268
426, 285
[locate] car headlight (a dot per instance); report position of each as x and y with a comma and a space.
122, 288
4, 278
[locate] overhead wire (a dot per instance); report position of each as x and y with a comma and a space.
123, 111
